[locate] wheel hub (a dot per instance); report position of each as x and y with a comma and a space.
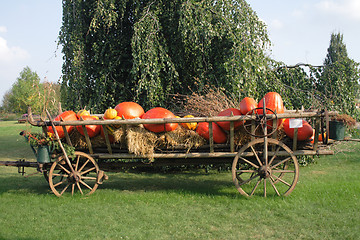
74, 177
264, 171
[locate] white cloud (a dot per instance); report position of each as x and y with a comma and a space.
3, 29
344, 8
9, 54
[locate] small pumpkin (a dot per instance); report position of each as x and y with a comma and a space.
189, 125
304, 133
129, 110
219, 135
110, 113
82, 112
159, 112
92, 130
65, 116
228, 112
247, 104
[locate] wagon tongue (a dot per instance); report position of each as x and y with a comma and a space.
101, 177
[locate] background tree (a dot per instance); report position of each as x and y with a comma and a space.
28, 91
339, 81
147, 50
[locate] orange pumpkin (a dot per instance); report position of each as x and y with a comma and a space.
219, 135
65, 116
273, 101
190, 125
92, 130
110, 113
304, 133
159, 112
227, 112
247, 104
129, 110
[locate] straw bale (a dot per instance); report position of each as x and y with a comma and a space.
141, 142
181, 136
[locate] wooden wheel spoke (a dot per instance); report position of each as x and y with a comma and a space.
256, 156
283, 171
72, 189
84, 183
248, 180
275, 154
281, 162
79, 187
89, 170
65, 189
82, 167
63, 168
249, 162
273, 185
77, 162
88, 178
246, 171
60, 175
255, 187
281, 180
59, 183
264, 187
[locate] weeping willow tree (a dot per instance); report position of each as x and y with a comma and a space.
144, 51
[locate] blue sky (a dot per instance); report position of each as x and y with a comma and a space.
299, 30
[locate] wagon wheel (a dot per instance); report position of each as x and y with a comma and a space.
84, 178
257, 170
262, 122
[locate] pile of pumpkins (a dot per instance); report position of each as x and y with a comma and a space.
132, 110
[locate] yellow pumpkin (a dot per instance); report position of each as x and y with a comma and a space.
82, 112
117, 118
110, 113
190, 125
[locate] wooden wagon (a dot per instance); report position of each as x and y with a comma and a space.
265, 164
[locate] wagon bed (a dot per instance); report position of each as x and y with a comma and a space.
263, 164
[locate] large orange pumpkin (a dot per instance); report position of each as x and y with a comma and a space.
129, 110
304, 133
159, 112
65, 116
219, 135
227, 112
247, 104
273, 101
92, 130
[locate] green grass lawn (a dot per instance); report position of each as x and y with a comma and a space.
194, 205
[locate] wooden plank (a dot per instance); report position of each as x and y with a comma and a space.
206, 155
181, 120
295, 139
211, 137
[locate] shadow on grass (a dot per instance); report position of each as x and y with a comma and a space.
23, 185
188, 183
192, 183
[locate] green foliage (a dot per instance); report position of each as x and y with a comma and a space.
145, 50
339, 81
27, 91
